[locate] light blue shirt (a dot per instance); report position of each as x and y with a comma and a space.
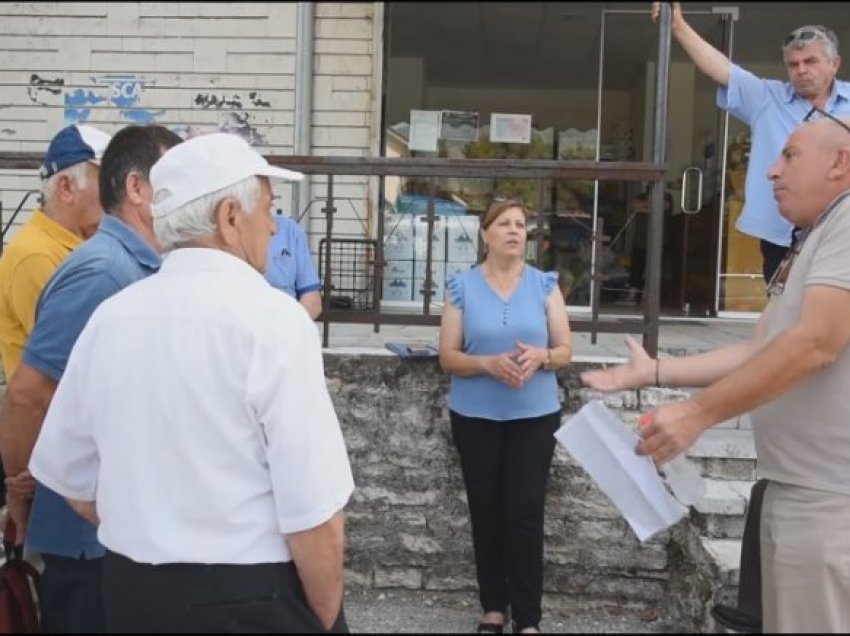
113, 258
492, 326
772, 110
289, 266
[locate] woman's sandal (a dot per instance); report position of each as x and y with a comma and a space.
490, 628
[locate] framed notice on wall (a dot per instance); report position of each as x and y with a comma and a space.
510, 129
424, 130
459, 125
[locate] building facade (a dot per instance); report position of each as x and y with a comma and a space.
512, 81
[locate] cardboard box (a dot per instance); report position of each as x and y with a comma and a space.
462, 236
458, 267
398, 269
420, 239
438, 271
398, 237
398, 289
437, 287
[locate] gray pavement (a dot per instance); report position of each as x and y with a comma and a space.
416, 611
675, 336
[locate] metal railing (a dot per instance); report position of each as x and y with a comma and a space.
543, 171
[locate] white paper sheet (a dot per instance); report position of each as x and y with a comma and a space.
605, 448
424, 130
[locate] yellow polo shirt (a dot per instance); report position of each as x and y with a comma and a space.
27, 263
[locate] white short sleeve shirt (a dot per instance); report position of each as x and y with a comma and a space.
194, 410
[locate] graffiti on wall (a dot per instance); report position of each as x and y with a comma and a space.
39, 88
242, 112
123, 91
238, 120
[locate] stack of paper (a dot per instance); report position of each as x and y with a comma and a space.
601, 443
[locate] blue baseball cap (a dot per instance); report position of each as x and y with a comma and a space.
72, 145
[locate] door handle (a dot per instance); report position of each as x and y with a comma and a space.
687, 175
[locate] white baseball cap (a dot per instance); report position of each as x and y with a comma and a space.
205, 164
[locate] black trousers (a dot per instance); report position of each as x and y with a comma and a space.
70, 597
188, 597
749, 579
505, 469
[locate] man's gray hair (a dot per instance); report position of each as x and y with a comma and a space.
77, 172
805, 35
196, 219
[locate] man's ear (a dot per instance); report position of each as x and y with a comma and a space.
66, 188
841, 166
227, 219
133, 184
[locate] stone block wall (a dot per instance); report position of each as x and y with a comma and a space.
408, 523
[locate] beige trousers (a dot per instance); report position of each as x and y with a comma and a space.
805, 560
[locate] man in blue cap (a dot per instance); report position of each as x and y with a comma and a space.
70, 212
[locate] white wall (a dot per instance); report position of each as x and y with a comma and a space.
228, 66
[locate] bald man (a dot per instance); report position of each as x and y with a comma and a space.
792, 377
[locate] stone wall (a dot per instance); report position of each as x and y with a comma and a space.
408, 523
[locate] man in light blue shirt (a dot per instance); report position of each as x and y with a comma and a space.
122, 251
290, 268
772, 109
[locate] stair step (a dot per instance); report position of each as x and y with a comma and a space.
724, 497
725, 453
725, 443
727, 555
720, 514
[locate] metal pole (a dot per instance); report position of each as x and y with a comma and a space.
659, 156
302, 135
326, 292
538, 250
427, 291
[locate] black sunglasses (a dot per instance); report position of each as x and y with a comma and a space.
823, 113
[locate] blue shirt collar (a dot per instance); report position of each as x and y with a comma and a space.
840, 89
131, 240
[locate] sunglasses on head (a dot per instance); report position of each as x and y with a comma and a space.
804, 35
816, 113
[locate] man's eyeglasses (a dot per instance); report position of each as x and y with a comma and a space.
815, 113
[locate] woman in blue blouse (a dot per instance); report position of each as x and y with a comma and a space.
504, 333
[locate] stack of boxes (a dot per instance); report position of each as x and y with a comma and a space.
454, 248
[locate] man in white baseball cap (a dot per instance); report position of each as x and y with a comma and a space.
208, 438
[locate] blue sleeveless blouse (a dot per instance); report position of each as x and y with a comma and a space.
492, 326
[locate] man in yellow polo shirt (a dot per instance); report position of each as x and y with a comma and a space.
70, 212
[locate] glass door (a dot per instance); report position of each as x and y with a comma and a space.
695, 179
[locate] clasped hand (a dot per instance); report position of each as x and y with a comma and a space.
516, 367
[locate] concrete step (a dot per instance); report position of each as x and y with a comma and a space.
727, 555
721, 513
725, 453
